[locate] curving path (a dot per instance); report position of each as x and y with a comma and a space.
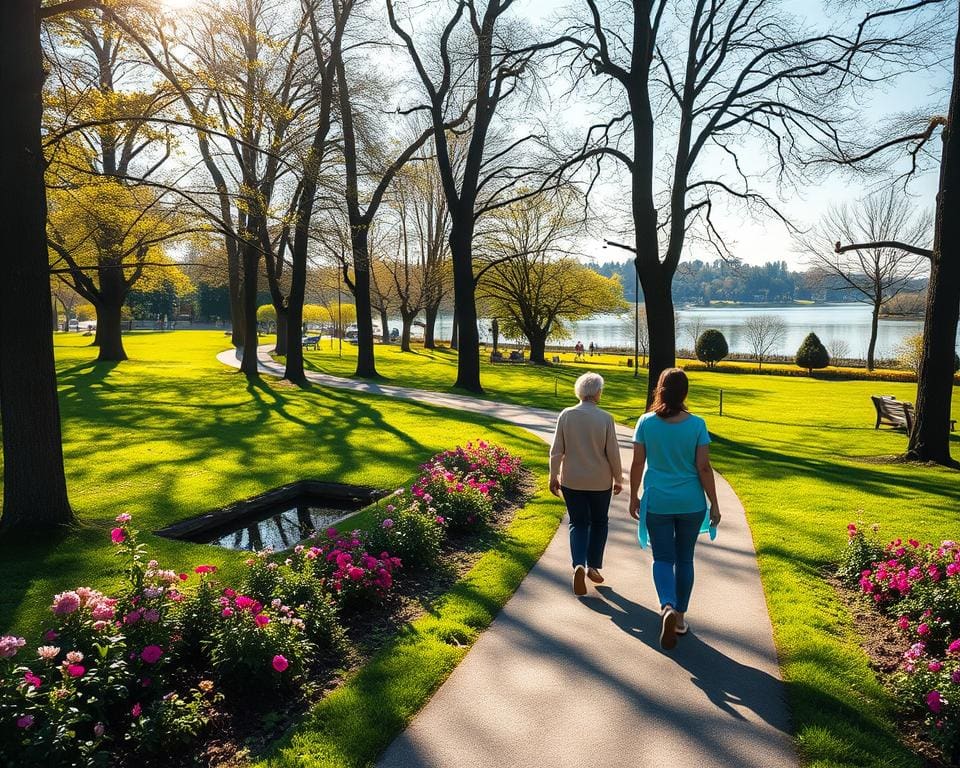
559, 681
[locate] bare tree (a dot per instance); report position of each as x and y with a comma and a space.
692, 329
711, 73
839, 351
763, 334
875, 274
930, 438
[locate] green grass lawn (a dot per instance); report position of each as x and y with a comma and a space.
801, 455
171, 433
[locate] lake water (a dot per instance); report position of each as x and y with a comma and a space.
831, 322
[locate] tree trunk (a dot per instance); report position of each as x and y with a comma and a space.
235, 291
110, 332
280, 349
34, 486
495, 331
455, 331
384, 326
464, 287
430, 328
96, 330
293, 370
251, 270
930, 439
874, 325
658, 300
538, 345
366, 361
407, 320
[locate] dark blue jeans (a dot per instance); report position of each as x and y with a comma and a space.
673, 539
588, 525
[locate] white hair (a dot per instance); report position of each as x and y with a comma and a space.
589, 386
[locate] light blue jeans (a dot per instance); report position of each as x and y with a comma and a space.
673, 539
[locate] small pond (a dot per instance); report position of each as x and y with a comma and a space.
278, 518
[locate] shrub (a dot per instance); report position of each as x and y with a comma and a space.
711, 347
812, 354
410, 532
463, 502
356, 578
483, 461
860, 554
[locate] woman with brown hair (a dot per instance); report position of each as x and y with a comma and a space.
673, 445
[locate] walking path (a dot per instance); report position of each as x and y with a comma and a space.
559, 681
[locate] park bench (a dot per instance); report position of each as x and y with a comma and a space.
897, 413
311, 342
514, 357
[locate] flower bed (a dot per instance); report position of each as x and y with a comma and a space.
147, 670
916, 587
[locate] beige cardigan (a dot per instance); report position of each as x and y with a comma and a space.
585, 452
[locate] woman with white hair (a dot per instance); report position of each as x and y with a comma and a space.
585, 467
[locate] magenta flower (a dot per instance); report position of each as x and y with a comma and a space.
25, 722
355, 573
76, 670
934, 702
954, 647
280, 663
118, 536
151, 654
31, 679
904, 623
934, 666
955, 677
136, 710
261, 619
65, 603
227, 612
924, 629
205, 569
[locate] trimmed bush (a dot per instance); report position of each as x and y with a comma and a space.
711, 347
409, 532
812, 354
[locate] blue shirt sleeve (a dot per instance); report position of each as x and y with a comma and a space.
704, 437
638, 432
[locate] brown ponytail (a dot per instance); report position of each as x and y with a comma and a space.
672, 388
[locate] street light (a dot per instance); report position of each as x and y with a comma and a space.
636, 306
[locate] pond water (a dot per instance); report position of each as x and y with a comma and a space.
831, 322
281, 530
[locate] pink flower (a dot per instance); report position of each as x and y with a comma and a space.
934, 572
205, 569
261, 619
227, 612
243, 602
103, 611
74, 657
388, 523
75, 670
439, 520
50, 635
151, 654
117, 535
924, 629
231, 593
98, 730
133, 617
136, 710
953, 569
954, 647
934, 704
25, 722
151, 616
904, 623
65, 603
934, 666
355, 573
31, 679
123, 518
955, 677
9, 645
280, 663
183, 577
391, 508
48, 652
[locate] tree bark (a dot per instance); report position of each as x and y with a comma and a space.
495, 331
251, 270
874, 324
430, 328
384, 326
930, 439
110, 332
538, 345
658, 299
455, 331
366, 365
293, 370
407, 319
34, 486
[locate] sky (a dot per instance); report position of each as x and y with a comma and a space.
761, 240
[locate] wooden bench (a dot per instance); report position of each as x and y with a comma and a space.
311, 342
897, 413
515, 357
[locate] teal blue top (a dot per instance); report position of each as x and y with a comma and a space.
671, 483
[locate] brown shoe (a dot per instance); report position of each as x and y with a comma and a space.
668, 629
579, 581
594, 575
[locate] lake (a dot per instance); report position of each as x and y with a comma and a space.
831, 322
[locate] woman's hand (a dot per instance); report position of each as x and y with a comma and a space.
555, 487
634, 508
714, 515
617, 487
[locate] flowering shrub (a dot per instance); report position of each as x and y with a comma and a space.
918, 586
356, 577
413, 532
464, 503
484, 462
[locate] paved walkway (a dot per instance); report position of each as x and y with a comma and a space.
559, 681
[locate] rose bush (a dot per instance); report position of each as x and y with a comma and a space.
916, 585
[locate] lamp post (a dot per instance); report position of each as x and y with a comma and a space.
636, 306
